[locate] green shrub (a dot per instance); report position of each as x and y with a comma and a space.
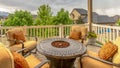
92, 35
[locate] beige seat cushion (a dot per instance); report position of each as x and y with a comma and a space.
6, 58
92, 63
1, 44
33, 61
116, 57
28, 44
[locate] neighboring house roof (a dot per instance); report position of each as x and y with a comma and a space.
105, 19
80, 10
96, 18
100, 18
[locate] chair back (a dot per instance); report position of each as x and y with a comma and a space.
15, 34
6, 58
78, 30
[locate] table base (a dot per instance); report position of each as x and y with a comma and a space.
61, 63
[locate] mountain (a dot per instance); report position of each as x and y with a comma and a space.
3, 14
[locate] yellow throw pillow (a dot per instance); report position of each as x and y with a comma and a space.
117, 42
116, 57
107, 50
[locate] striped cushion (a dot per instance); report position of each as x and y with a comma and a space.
107, 50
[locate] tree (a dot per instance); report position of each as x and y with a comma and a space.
118, 22
44, 15
62, 17
0, 22
19, 18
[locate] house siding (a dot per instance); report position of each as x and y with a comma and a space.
76, 15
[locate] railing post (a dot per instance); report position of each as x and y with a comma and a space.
61, 31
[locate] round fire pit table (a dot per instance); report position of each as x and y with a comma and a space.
61, 52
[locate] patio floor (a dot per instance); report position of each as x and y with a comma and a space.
93, 48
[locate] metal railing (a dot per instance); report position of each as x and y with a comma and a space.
41, 32
104, 32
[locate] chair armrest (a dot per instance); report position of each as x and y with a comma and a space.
18, 51
42, 63
21, 51
101, 60
36, 39
83, 38
21, 42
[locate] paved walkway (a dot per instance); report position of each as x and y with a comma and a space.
93, 48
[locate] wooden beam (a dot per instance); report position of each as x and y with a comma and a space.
90, 14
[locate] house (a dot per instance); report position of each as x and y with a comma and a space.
79, 14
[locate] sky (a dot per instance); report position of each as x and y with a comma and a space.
102, 7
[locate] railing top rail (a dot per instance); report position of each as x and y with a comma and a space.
107, 26
43, 26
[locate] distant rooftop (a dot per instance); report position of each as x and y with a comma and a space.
80, 10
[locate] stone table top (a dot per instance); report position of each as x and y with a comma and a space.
74, 49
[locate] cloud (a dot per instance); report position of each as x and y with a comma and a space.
109, 7
110, 12
32, 5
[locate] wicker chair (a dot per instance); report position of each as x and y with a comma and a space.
17, 40
7, 59
78, 33
92, 60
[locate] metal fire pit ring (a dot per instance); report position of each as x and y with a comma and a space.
74, 49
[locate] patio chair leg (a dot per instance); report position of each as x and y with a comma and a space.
81, 62
34, 51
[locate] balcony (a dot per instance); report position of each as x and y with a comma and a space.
104, 32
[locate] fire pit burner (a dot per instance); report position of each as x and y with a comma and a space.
60, 44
